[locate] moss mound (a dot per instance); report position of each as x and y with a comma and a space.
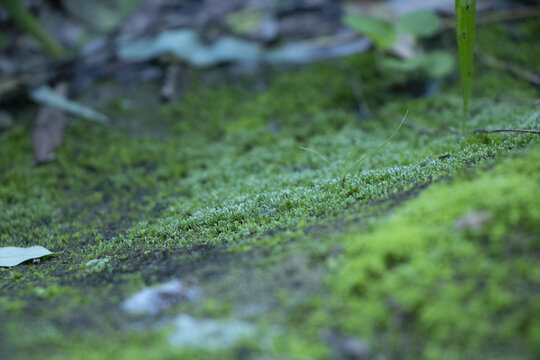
452, 273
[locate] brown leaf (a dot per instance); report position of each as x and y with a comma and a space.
48, 130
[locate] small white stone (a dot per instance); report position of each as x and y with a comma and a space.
156, 299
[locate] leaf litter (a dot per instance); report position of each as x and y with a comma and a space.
13, 256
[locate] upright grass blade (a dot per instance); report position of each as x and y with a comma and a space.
465, 28
28, 23
347, 169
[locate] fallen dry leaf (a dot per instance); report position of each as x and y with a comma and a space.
12, 256
48, 130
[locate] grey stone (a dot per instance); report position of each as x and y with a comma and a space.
159, 298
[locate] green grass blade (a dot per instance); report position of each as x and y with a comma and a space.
318, 153
28, 23
465, 29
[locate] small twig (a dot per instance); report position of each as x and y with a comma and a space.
484, 131
501, 65
453, 130
508, 15
500, 16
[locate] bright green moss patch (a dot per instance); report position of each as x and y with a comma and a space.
452, 274
277, 186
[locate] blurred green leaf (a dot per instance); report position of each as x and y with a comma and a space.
424, 23
402, 65
438, 63
435, 64
186, 44
382, 32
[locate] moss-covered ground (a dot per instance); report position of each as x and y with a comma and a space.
428, 250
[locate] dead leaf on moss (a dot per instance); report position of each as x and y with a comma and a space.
12, 256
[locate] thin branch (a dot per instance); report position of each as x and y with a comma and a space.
453, 130
485, 17
484, 131
508, 15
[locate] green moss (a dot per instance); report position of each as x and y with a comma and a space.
284, 200
452, 273
130, 345
12, 305
216, 190
517, 50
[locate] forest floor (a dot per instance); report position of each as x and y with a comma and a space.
429, 249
